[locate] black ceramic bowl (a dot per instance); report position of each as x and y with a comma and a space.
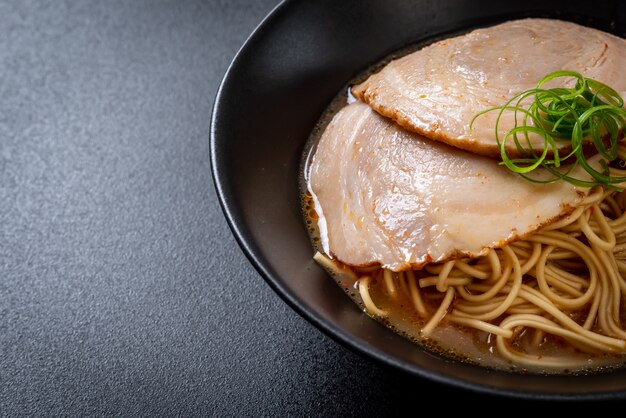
273, 94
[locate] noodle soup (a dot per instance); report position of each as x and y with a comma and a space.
418, 303
549, 302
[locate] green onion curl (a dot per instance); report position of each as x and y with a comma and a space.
590, 115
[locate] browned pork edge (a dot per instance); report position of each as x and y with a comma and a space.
567, 209
369, 95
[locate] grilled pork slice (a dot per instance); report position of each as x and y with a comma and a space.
390, 197
437, 90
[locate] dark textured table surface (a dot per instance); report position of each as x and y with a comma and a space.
122, 290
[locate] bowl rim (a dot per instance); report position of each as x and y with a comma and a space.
246, 243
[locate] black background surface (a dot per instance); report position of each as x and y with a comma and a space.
122, 290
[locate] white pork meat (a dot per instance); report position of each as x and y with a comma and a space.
391, 197
437, 90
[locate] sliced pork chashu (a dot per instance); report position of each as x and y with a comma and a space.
387, 196
437, 90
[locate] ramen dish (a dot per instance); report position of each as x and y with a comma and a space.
469, 195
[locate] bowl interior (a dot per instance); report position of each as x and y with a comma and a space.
272, 96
